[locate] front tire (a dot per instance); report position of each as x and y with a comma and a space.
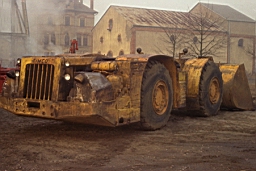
210, 89
156, 96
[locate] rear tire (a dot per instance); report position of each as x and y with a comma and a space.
156, 96
210, 89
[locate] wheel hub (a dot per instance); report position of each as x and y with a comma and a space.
160, 97
214, 91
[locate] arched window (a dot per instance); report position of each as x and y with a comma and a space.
85, 40
67, 21
110, 24
110, 54
67, 40
53, 39
82, 22
119, 38
172, 38
79, 39
46, 39
121, 52
195, 39
241, 42
101, 39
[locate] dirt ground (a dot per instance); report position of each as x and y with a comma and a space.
223, 142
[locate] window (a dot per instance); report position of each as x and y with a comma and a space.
53, 39
46, 39
119, 38
82, 40
110, 54
172, 38
79, 39
195, 39
101, 39
82, 22
85, 40
67, 21
121, 52
241, 42
110, 24
67, 42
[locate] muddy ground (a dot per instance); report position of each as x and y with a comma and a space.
224, 142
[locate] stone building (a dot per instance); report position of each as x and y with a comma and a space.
241, 31
54, 24
123, 29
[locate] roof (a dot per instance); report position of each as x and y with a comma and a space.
227, 12
143, 17
151, 17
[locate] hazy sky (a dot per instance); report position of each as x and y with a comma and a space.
247, 7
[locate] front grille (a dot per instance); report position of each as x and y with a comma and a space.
38, 81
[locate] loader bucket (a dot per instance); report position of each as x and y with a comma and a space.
236, 90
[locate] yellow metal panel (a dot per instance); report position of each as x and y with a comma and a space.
236, 90
194, 69
104, 65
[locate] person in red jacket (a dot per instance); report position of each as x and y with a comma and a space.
74, 46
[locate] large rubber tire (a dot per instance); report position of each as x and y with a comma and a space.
156, 96
210, 89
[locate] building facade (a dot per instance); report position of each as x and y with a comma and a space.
52, 26
241, 31
124, 29
55, 23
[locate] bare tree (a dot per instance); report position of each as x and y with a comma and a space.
172, 39
249, 50
206, 34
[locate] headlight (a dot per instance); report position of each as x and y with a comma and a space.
67, 77
67, 64
17, 73
18, 61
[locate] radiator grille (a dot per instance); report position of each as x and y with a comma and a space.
39, 81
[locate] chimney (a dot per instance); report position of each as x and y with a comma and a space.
92, 4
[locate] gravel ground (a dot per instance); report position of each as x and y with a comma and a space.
221, 143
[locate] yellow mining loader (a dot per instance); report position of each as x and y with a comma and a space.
96, 89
